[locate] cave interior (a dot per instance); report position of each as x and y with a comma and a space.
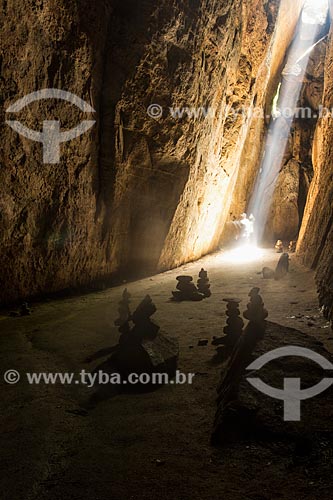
142, 142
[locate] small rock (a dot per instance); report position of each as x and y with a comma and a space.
78, 412
202, 342
25, 309
159, 462
268, 273
14, 314
184, 279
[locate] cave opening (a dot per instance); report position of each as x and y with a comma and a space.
280, 191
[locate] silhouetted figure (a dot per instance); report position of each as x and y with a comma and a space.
251, 228
246, 226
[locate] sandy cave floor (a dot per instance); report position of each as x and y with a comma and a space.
142, 446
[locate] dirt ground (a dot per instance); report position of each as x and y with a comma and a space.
57, 445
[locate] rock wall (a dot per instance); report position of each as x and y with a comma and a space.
284, 221
135, 194
316, 236
111, 200
259, 116
296, 171
50, 230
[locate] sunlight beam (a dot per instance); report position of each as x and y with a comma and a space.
313, 17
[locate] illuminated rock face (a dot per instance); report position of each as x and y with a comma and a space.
252, 149
316, 236
296, 169
134, 193
285, 216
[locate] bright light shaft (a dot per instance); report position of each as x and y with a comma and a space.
313, 17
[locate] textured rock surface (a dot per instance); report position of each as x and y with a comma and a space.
251, 415
316, 235
51, 229
297, 170
285, 216
134, 193
265, 90
282, 222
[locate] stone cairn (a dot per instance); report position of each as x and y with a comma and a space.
142, 348
292, 246
282, 267
124, 313
233, 329
255, 312
203, 284
268, 273
232, 417
144, 327
279, 246
186, 290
